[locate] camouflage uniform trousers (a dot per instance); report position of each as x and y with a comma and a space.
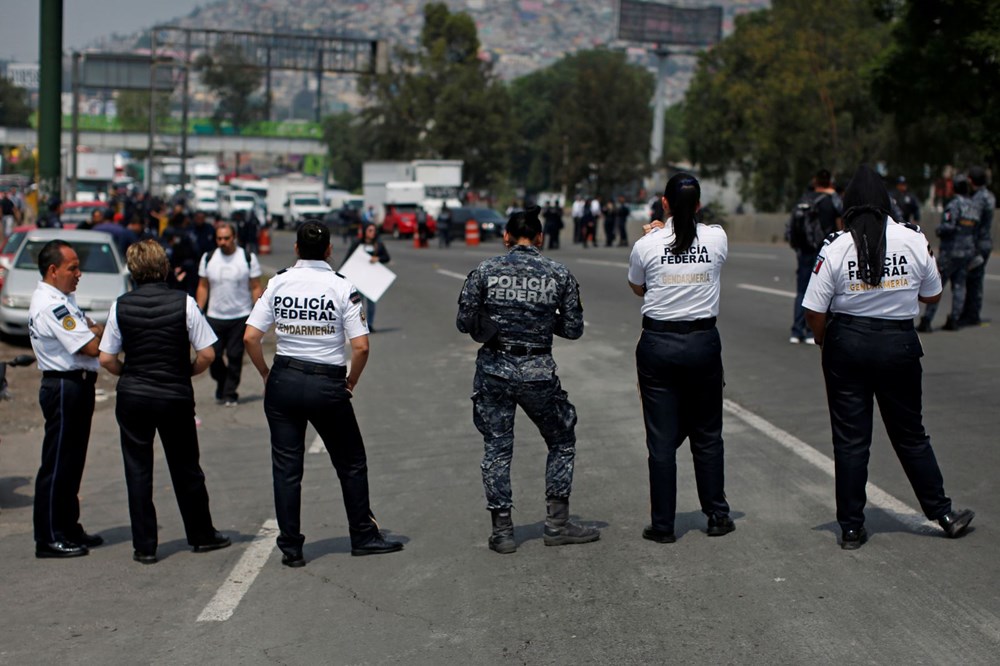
494, 402
953, 268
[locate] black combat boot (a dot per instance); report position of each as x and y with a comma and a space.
502, 539
950, 324
559, 530
924, 326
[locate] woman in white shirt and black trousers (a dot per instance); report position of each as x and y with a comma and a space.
870, 278
676, 269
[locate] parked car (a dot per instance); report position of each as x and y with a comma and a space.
206, 201
75, 212
105, 277
10, 248
491, 222
231, 201
401, 221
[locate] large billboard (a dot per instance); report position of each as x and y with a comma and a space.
653, 22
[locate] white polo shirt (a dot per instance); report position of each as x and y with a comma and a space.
58, 330
199, 332
679, 287
314, 310
909, 272
229, 278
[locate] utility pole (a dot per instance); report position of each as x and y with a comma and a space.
75, 131
50, 99
659, 108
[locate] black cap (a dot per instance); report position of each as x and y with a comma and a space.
901, 180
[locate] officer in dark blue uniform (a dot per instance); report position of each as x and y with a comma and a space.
984, 248
870, 278
514, 304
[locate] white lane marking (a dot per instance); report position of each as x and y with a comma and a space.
457, 276
232, 591
601, 262
993, 277
753, 255
876, 496
317, 445
767, 290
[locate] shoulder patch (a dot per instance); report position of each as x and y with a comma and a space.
61, 312
283, 270
355, 297
832, 237
68, 323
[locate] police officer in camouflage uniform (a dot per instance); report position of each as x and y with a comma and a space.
957, 232
513, 304
984, 246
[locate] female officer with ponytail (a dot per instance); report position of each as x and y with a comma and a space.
870, 278
676, 268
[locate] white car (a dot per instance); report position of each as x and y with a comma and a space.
104, 279
206, 202
231, 201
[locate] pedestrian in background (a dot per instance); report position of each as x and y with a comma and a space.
971, 312
514, 304
228, 287
444, 227
156, 327
676, 269
870, 277
65, 342
316, 313
378, 253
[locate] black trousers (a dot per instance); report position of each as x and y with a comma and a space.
680, 382
140, 418
861, 363
293, 398
68, 407
227, 367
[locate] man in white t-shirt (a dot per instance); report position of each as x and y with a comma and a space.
229, 283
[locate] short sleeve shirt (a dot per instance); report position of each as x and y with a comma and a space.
199, 332
229, 278
909, 272
58, 330
314, 311
679, 287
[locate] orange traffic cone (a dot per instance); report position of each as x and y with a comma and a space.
264, 241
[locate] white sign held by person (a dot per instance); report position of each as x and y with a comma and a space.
371, 279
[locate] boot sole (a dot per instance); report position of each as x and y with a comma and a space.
568, 541
503, 550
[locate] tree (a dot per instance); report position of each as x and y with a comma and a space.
585, 118
786, 94
133, 109
228, 72
940, 80
343, 135
14, 111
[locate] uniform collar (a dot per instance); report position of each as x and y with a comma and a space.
524, 248
45, 286
313, 263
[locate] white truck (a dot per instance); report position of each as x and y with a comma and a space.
438, 180
286, 210
95, 173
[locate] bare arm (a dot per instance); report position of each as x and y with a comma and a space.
91, 348
202, 360
255, 289
817, 323
252, 342
638, 289
111, 363
201, 296
930, 300
359, 358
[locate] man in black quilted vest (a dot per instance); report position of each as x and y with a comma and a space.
156, 326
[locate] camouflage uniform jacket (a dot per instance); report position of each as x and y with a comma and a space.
984, 240
957, 230
528, 298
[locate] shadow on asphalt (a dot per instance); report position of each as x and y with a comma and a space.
9, 497
885, 522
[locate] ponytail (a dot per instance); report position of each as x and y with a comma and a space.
683, 194
867, 203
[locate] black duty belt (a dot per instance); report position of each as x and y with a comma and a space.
658, 326
335, 371
77, 375
520, 350
875, 323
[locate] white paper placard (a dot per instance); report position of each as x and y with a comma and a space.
371, 279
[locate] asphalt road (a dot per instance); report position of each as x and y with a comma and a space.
778, 590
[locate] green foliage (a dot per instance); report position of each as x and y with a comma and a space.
342, 134
786, 94
133, 110
940, 79
585, 119
14, 111
674, 142
227, 73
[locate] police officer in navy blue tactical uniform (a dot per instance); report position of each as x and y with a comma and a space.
971, 313
65, 343
156, 327
957, 232
906, 204
514, 304
870, 277
676, 268
315, 312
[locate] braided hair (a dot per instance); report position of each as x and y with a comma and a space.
866, 204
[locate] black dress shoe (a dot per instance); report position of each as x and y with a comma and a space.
215, 543
720, 526
650, 533
60, 549
378, 545
955, 523
88, 540
144, 558
853, 538
293, 560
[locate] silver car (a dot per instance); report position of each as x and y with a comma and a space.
104, 278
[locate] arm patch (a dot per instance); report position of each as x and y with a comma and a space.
61, 312
355, 297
